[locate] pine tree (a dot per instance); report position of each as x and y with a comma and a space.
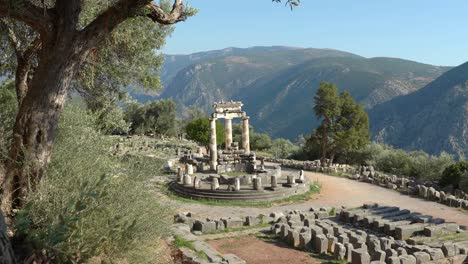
327, 107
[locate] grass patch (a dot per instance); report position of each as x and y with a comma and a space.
297, 198
180, 242
202, 255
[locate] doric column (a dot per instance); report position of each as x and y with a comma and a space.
245, 134
213, 147
227, 133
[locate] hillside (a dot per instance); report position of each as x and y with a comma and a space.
434, 118
277, 84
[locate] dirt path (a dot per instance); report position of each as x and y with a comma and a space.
337, 192
257, 251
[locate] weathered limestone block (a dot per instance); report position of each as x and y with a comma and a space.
187, 179
252, 220
401, 251
390, 253
220, 225
339, 252
237, 185
349, 251
233, 222
393, 260
204, 226
196, 182
215, 184
360, 256
320, 244
389, 228
407, 259
304, 240
274, 182
180, 175
331, 243
435, 253
257, 184
189, 169
293, 238
449, 249
315, 230
343, 238
405, 232
276, 216
213, 255
438, 229
422, 257
379, 255
284, 231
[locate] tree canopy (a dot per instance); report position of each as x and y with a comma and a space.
199, 131
344, 126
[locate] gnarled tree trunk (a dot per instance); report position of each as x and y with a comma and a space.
36, 122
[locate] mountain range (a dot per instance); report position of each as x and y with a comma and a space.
277, 85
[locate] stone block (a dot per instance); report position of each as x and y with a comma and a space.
233, 222
343, 238
431, 231
213, 255
349, 251
405, 232
220, 225
284, 232
252, 221
293, 238
276, 216
401, 251
331, 243
204, 226
407, 259
393, 260
320, 244
449, 249
315, 230
360, 256
435, 253
389, 253
378, 255
304, 240
339, 253
422, 257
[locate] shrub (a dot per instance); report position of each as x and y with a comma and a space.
91, 206
396, 161
452, 175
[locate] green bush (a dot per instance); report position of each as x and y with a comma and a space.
396, 161
464, 182
92, 206
452, 175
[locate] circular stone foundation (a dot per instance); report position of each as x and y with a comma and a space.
246, 193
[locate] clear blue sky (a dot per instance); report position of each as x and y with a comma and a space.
430, 31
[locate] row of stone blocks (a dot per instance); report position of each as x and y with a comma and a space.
356, 246
367, 174
208, 225
392, 221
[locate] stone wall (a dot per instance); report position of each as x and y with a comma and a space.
406, 185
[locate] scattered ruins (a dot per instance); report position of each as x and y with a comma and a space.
232, 173
371, 234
